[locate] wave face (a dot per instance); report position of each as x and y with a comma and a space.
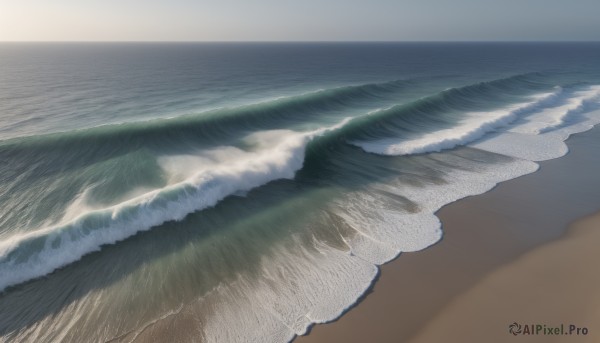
250, 204
39, 252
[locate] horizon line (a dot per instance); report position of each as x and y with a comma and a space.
299, 41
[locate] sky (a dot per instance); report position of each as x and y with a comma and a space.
299, 20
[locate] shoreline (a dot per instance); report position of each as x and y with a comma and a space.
482, 233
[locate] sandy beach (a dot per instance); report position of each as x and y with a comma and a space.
509, 255
554, 285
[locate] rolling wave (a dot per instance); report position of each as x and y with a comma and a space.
37, 253
474, 127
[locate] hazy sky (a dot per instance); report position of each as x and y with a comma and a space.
237, 20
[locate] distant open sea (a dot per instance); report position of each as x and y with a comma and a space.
240, 192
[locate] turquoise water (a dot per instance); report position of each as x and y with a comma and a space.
242, 192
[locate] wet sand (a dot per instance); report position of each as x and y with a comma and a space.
421, 296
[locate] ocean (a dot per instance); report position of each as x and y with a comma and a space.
241, 192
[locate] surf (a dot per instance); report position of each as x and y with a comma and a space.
36, 253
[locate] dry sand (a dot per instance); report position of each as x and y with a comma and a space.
556, 284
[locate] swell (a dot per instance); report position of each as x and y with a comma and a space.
39, 252
227, 122
257, 116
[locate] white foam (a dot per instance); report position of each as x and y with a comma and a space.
381, 234
473, 127
524, 146
541, 135
299, 287
553, 118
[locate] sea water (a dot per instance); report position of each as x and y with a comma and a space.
241, 192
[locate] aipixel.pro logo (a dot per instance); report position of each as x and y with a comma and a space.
516, 329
